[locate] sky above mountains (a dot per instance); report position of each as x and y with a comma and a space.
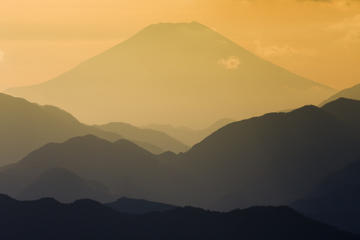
317, 39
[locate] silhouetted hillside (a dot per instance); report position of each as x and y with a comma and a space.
271, 159
64, 186
336, 201
26, 126
86, 219
140, 135
182, 73
138, 206
122, 166
352, 93
345, 109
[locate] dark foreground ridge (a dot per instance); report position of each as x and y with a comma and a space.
336, 201
87, 219
138, 206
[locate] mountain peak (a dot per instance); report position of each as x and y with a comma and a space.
341, 101
307, 108
346, 109
182, 25
177, 35
88, 139
167, 60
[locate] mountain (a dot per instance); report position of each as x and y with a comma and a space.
182, 73
26, 126
149, 147
138, 206
348, 110
188, 135
274, 159
336, 200
122, 166
64, 186
86, 219
269, 160
352, 93
139, 135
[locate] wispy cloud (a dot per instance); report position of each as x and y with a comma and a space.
336, 3
278, 51
350, 29
230, 63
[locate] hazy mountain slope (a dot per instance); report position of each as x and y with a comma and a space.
188, 135
26, 126
271, 159
352, 93
336, 201
181, 73
138, 206
149, 147
153, 137
64, 186
86, 219
122, 166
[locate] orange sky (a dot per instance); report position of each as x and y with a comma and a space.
320, 40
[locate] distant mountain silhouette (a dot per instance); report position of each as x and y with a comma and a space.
188, 135
182, 73
87, 219
140, 135
26, 126
270, 160
64, 186
352, 93
138, 206
336, 201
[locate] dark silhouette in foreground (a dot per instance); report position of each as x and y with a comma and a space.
336, 201
64, 186
138, 206
87, 219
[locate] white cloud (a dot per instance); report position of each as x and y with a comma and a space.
230, 63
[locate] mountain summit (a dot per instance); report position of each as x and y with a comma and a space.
183, 73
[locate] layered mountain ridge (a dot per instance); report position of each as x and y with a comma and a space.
238, 166
49, 219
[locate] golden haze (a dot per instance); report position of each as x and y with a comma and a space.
318, 40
